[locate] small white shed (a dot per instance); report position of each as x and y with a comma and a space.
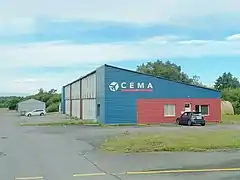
30, 105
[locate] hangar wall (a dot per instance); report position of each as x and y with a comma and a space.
113, 95
67, 100
124, 88
80, 97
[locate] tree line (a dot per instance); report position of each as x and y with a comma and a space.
226, 83
51, 98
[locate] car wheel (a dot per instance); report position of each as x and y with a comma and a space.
203, 124
189, 123
41, 114
177, 122
29, 115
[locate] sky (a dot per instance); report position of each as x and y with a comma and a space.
49, 43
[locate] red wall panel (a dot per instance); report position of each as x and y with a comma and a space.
151, 111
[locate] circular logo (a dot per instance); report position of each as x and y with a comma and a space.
113, 86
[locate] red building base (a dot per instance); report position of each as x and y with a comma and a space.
151, 111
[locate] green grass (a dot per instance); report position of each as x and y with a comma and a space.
194, 140
230, 119
60, 123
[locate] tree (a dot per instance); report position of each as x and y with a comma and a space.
52, 91
196, 81
226, 81
55, 99
12, 104
168, 70
51, 98
40, 91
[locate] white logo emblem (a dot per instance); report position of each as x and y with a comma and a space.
114, 86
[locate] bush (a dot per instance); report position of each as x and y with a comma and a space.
12, 107
53, 107
232, 95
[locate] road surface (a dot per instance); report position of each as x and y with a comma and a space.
70, 153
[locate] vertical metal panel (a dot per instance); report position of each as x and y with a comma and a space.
63, 100
67, 92
75, 90
89, 109
70, 100
67, 107
100, 83
81, 105
89, 86
76, 108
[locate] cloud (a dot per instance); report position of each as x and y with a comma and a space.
134, 11
65, 54
22, 17
195, 42
162, 39
29, 83
61, 54
235, 37
16, 26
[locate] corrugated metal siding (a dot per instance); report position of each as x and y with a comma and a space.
89, 109
75, 104
63, 101
89, 87
100, 90
78, 91
67, 107
75, 90
121, 104
76, 108
88, 97
150, 111
67, 92
31, 106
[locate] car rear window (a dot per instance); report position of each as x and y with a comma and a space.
197, 115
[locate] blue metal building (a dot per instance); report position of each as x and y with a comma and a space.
121, 96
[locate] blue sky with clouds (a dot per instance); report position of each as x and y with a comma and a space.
45, 46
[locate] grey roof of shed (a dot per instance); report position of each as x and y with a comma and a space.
30, 101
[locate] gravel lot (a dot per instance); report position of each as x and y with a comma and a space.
57, 153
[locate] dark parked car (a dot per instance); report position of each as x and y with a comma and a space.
191, 118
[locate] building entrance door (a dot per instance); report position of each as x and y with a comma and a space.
188, 107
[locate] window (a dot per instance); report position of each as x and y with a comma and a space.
186, 114
169, 110
37, 110
204, 109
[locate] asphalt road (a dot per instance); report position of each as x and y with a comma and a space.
70, 153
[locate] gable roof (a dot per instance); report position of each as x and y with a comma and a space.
123, 69
210, 89
30, 101
92, 72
